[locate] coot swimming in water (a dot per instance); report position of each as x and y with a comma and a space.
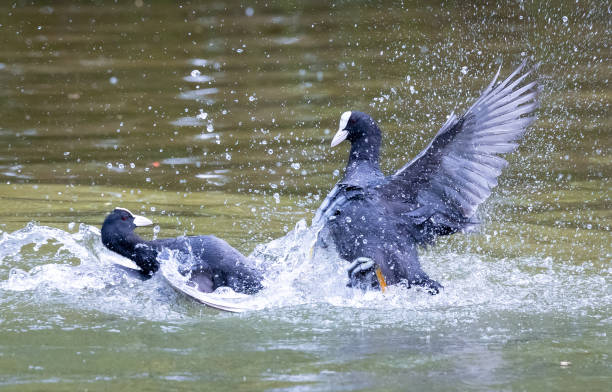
376, 222
209, 261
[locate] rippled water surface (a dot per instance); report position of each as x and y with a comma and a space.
216, 118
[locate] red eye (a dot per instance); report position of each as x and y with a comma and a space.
123, 218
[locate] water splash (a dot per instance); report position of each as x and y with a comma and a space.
45, 265
49, 265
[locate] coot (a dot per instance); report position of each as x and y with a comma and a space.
376, 222
209, 261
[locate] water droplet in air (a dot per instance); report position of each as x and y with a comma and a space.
203, 115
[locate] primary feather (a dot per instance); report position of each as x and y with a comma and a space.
458, 169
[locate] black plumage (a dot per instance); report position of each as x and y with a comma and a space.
209, 261
377, 221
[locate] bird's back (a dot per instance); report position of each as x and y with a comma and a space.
215, 258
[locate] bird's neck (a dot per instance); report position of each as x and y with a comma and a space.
363, 161
365, 149
130, 245
122, 243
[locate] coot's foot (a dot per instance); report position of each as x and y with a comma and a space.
362, 274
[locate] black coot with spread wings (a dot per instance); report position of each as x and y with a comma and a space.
377, 222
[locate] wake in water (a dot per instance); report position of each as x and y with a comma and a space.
40, 264
47, 265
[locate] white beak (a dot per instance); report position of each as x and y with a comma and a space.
339, 137
141, 221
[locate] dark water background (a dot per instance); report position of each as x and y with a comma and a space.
216, 117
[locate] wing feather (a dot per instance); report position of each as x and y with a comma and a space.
455, 173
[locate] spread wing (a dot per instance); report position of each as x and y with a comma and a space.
455, 173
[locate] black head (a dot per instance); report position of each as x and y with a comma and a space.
122, 222
362, 131
118, 235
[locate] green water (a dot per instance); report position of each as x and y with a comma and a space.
99, 108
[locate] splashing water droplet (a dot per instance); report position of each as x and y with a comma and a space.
202, 115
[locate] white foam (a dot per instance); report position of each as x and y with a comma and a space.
52, 265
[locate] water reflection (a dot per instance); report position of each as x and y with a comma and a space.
200, 95
194, 121
216, 177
